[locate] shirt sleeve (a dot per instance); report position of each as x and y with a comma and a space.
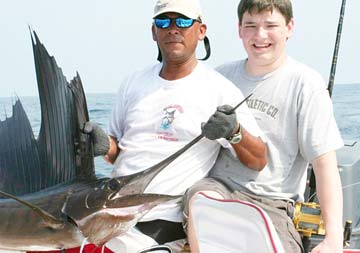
318, 132
116, 122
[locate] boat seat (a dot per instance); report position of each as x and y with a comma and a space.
230, 226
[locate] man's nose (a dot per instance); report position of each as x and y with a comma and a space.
173, 29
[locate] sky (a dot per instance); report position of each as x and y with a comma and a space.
104, 40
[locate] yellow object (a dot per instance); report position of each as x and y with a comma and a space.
186, 248
308, 219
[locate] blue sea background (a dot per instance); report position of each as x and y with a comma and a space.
345, 97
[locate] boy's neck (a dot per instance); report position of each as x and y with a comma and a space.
257, 69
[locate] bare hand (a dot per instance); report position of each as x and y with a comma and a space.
327, 246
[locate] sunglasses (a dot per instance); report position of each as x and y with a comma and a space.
181, 22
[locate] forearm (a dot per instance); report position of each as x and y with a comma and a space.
113, 150
329, 192
251, 151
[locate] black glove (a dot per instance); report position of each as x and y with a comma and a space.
98, 137
221, 124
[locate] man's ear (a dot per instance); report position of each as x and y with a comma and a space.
202, 30
153, 33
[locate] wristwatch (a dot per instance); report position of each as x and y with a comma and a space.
236, 137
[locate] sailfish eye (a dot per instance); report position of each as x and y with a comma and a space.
113, 185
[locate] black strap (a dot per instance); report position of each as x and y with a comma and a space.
207, 49
162, 231
159, 58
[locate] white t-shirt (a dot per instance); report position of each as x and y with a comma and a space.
293, 109
153, 118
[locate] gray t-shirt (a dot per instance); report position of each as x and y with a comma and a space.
293, 108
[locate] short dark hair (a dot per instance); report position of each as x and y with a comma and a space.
257, 6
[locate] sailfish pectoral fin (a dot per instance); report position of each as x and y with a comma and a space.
49, 219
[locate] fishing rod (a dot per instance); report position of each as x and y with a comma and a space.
336, 49
312, 183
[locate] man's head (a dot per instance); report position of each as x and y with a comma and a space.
177, 28
257, 6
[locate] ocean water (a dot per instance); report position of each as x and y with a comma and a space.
345, 97
346, 102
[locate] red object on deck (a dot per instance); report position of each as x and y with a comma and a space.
91, 248
88, 248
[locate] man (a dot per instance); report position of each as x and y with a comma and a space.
161, 108
292, 107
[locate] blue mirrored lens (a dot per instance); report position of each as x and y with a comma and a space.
180, 22
184, 22
163, 22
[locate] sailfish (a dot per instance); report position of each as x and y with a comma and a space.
50, 197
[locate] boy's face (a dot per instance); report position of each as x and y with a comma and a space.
264, 36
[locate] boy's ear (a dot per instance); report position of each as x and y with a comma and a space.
239, 30
290, 27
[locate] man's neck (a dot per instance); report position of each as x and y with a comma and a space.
174, 70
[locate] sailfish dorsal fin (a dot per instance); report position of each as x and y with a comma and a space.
61, 153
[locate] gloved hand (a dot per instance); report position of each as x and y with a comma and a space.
221, 124
98, 137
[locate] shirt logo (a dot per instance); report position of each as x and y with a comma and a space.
168, 118
169, 114
263, 107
